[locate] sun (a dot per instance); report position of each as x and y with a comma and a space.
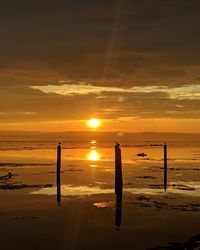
93, 123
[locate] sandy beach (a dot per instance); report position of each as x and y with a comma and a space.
88, 218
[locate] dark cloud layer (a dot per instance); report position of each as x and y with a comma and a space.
139, 42
120, 43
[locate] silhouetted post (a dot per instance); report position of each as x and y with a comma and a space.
118, 169
118, 186
165, 166
58, 173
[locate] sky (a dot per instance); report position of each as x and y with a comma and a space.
134, 64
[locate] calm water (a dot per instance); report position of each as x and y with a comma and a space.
88, 212
88, 167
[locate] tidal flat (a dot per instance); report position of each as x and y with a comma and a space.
88, 216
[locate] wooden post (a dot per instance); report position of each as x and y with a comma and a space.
58, 173
118, 186
165, 166
118, 169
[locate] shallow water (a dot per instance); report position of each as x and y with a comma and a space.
87, 207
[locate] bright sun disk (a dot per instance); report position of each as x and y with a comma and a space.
93, 123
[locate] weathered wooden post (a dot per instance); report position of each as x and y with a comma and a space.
118, 186
165, 166
58, 173
118, 169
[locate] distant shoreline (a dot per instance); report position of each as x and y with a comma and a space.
101, 136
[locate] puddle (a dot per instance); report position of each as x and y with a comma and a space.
69, 190
103, 204
181, 188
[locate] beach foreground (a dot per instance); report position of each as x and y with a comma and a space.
88, 216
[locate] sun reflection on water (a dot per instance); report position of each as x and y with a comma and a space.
93, 142
93, 155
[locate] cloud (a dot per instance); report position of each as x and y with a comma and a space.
115, 59
28, 104
182, 92
132, 42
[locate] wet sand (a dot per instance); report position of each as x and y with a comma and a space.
150, 217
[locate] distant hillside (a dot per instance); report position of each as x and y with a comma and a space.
104, 136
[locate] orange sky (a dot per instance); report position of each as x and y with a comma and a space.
142, 125
133, 64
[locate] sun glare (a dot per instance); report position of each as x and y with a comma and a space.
93, 123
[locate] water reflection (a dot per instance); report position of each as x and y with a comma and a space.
118, 209
103, 204
70, 190
93, 155
93, 142
58, 188
93, 166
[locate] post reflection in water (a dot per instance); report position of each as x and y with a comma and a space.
58, 190
118, 209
